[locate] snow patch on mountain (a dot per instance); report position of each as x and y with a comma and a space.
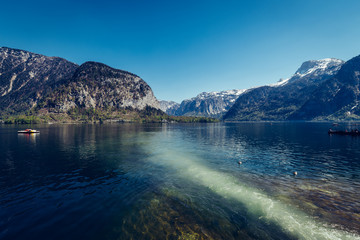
228, 94
280, 83
319, 67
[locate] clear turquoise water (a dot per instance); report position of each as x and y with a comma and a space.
179, 181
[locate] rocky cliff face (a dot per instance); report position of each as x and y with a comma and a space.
98, 86
282, 100
30, 81
25, 77
206, 104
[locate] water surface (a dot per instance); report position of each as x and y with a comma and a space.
179, 181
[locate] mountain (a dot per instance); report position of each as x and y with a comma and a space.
35, 88
281, 101
25, 77
278, 100
335, 99
208, 104
98, 86
52, 88
169, 106
34, 85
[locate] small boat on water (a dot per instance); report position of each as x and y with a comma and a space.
28, 131
354, 132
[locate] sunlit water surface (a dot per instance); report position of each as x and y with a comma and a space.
179, 181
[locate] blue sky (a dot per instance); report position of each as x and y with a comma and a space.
182, 48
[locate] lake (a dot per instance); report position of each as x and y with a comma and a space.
179, 181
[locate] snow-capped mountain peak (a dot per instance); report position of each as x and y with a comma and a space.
223, 94
312, 68
319, 67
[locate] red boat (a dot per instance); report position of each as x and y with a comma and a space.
29, 131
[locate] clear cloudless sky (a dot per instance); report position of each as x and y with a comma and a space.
182, 48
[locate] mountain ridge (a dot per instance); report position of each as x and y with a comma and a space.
208, 104
280, 101
35, 88
34, 84
308, 75
336, 98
